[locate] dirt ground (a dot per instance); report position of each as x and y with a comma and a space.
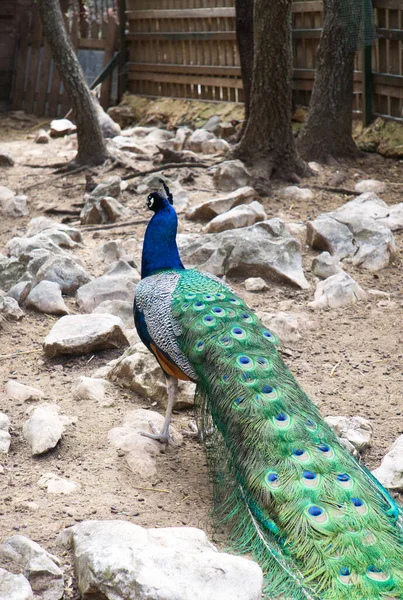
350, 361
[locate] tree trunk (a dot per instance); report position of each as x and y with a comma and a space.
267, 146
328, 129
244, 35
91, 144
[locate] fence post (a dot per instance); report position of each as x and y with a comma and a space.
367, 87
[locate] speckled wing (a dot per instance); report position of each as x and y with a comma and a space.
154, 301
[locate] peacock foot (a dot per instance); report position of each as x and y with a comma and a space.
164, 437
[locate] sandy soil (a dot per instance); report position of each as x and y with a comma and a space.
350, 362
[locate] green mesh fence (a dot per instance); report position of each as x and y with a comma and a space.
358, 19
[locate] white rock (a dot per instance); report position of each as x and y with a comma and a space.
156, 135
283, 325
42, 137
298, 231
141, 450
215, 147
57, 485
172, 563
243, 215
21, 550
315, 167
14, 587
255, 284
231, 175
20, 291
44, 428
394, 219
46, 297
90, 388
4, 422
39, 224
107, 288
9, 309
138, 370
370, 185
337, 291
325, 265
48, 239
13, 207
216, 206
355, 430
390, 471
61, 127
5, 441
21, 392
79, 334
326, 233
119, 308
64, 271
295, 193
196, 140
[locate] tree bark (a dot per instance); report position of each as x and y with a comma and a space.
267, 146
244, 35
91, 144
328, 128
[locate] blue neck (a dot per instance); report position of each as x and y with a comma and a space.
160, 251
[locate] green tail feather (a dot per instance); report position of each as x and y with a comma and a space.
319, 524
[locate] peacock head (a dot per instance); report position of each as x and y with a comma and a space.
157, 200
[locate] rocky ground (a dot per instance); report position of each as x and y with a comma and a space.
342, 341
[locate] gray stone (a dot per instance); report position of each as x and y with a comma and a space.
128, 144
42, 137
64, 271
264, 250
46, 297
11, 271
298, 231
91, 388
21, 392
54, 484
44, 428
107, 287
376, 244
108, 126
354, 431
283, 325
170, 563
181, 137
20, 291
51, 240
337, 291
5, 194
79, 334
390, 471
325, 265
9, 309
103, 210
394, 219
255, 284
39, 224
14, 587
141, 450
243, 215
295, 193
138, 370
215, 147
231, 175
213, 124
325, 233
21, 550
119, 308
110, 251
61, 127
121, 268
14, 207
5, 437
6, 160
156, 136
370, 185
110, 187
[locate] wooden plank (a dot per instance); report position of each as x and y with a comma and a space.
182, 35
309, 34
186, 79
18, 93
386, 79
43, 81
91, 44
110, 42
300, 7
393, 4
388, 90
191, 69
390, 34
189, 13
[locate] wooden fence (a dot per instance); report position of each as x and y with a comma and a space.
37, 87
187, 49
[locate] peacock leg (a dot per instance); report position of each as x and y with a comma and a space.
164, 436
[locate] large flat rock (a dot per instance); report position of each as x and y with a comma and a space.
79, 334
118, 560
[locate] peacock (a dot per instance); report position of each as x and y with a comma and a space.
320, 525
